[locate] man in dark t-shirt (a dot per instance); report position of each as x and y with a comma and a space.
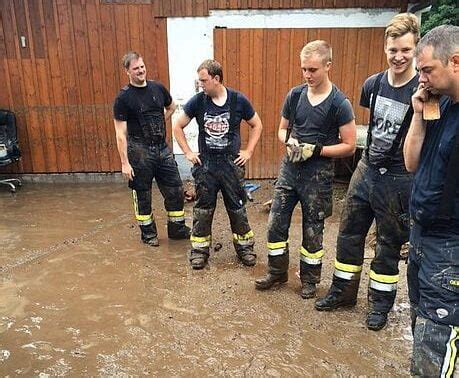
220, 163
432, 152
380, 186
139, 118
317, 125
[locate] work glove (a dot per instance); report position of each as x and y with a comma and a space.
291, 144
303, 151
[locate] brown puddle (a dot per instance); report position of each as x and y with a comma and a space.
80, 295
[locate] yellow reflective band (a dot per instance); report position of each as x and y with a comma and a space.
277, 245
142, 218
247, 235
383, 277
316, 255
454, 282
348, 267
180, 213
134, 199
199, 239
451, 354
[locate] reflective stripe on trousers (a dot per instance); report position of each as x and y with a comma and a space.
383, 282
311, 258
347, 271
200, 241
142, 220
277, 248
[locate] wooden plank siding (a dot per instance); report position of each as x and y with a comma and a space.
299, 4
270, 59
62, 84
193, 8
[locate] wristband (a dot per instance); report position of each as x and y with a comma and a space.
317, 149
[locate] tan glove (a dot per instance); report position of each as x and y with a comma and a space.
292, 147
303, 152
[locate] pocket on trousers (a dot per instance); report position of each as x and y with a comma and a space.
450, 281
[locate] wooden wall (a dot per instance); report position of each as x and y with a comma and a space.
186, 8
295, 4
62, 83
264, 64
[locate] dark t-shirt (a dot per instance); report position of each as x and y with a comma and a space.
218, 134
309, 120
430, 176
143, 109
391, 106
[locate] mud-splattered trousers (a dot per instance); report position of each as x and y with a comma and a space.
149, 162
433, 288
219, 173
310, 184
382, 195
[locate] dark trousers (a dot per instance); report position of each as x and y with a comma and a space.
433, 288
218, 173
434, 349
310, 184
380, 195
433, 275
154, 162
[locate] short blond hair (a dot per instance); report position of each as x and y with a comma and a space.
319, 47
402, 24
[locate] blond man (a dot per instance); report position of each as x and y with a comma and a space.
317, 125
380, 186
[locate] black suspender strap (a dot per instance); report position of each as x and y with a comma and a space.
200, 110
401, 134
295, 97
446, 209
372, 108
233, 106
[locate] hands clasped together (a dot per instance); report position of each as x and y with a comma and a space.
298, 152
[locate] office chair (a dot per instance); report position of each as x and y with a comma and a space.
9, 148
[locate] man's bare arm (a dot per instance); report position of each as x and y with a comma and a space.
256, 128
177, 128
121, 143
417, 131
347, 134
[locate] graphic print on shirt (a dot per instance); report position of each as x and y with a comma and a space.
387, 120
216, 128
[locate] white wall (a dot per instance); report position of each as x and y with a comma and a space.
190, 40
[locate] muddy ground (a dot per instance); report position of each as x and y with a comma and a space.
80, 295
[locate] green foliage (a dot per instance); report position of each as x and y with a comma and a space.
442, 12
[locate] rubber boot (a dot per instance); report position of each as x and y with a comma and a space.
380, 303
245, 254
342, 293
198, 258
277, 272
178, 230
149, 234
309, 277
308, 290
